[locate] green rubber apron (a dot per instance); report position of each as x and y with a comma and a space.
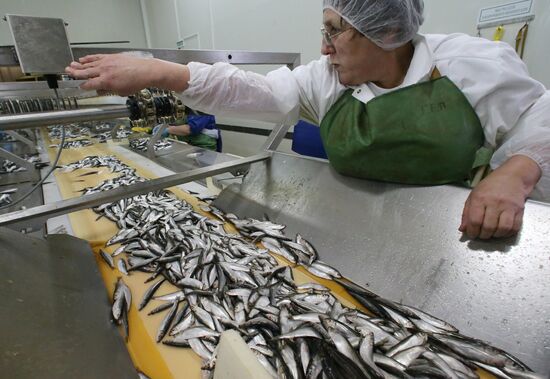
425, 134
199, 140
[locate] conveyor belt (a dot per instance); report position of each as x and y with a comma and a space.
157, 360
154, 359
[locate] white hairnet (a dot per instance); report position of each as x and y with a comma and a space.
387, 23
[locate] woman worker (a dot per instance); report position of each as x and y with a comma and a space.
392, 105
198, 130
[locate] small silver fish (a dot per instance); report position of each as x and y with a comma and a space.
107, 258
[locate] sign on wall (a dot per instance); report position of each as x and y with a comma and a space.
511, 13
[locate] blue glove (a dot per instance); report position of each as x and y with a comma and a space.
164, 132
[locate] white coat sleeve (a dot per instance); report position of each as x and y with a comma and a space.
280, 96
530, 137
225, 90
512, 106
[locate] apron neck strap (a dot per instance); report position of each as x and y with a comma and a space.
435, 74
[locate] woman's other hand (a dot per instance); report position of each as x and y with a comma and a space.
495, 207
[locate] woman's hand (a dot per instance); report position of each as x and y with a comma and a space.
125, 74
180, 130
495, 207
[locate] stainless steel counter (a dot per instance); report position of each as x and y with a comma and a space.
54, 317
403, 243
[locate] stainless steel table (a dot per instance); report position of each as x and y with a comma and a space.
403, 243
54, 314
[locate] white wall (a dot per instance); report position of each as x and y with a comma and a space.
267, 25
259, 25
89, 20
162, 23
293, 26
461, 16
196, 31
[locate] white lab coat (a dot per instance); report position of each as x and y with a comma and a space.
514, 109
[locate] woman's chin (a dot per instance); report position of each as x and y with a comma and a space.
345, 81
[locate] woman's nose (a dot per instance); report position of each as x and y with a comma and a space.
326, 49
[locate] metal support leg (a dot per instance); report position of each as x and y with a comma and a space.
275, 137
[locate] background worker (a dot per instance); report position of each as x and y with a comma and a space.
198, 130
392, 105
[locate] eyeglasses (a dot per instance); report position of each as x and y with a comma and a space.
329, 38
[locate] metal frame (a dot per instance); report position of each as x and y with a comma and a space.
26, 90
270, 145
274, 139
292, 60
88, 201
29, 120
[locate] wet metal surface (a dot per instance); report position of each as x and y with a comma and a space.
181, 157
55, 312
41, 43
403, 243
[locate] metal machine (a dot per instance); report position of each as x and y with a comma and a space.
25, 108
400, 241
